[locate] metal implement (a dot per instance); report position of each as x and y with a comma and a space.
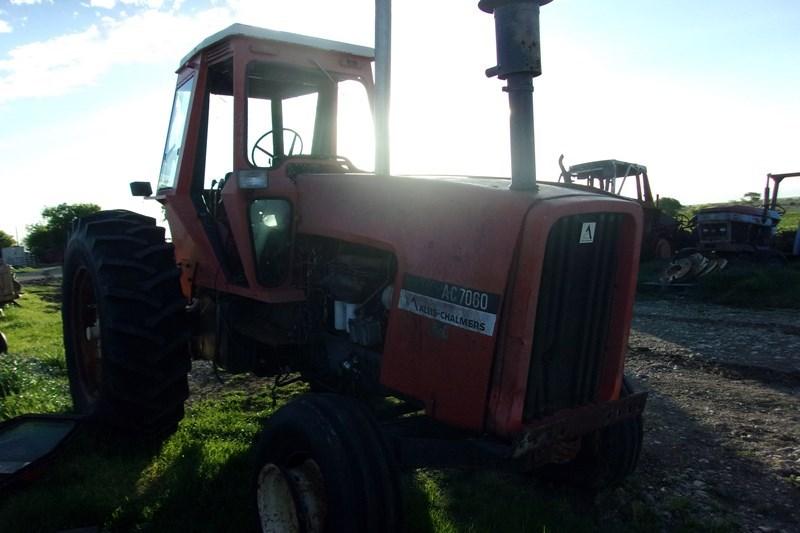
28, 442
691, 267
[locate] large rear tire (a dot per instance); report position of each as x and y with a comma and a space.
322, 465
125, 332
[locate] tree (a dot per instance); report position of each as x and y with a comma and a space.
6, 240
47, 239
753, 197
670, 206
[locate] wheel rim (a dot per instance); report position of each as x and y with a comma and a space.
291, 499
85, 333
663, 249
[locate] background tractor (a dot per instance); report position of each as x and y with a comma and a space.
743, 229
493, 313
662, 233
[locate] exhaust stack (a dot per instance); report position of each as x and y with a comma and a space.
516, 24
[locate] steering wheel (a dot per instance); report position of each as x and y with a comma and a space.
295, 137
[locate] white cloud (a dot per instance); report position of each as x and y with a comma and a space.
133, 151
62, 64
5, 27
105, 4
152, 4
25, 2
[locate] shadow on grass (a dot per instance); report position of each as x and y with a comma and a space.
476, 501
88, 479
187, 496
196, 480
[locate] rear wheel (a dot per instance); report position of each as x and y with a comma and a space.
125, 333
322, 465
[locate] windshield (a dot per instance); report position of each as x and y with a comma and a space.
175, 135
306, 111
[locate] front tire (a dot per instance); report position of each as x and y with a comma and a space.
322, 465
606, 457
125, 331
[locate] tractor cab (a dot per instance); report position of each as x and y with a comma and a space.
603, 175
252, 109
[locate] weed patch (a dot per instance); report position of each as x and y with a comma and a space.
753, 285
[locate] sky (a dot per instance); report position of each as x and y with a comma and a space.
706, 94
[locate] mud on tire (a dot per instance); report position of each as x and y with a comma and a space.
125, 331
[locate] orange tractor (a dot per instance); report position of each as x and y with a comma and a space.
494, 312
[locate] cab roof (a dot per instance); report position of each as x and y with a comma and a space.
265, 34
606, 169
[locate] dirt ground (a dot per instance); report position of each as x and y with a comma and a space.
722, 426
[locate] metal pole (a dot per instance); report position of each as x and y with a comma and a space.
523, 157
383, 78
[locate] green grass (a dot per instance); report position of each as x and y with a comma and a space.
22, 270
742, 284
790, 219
199, 478
753, 285
33, 376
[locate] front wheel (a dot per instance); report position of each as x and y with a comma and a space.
606, 457
322, 465
125, 332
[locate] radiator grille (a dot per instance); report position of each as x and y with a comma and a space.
573, 313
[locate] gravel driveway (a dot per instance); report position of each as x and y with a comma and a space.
722, 430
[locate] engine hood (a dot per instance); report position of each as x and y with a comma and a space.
459, 229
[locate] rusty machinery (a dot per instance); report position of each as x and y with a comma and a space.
495, 313
742, 228
662, 233
723, 232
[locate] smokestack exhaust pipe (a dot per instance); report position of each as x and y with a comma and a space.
516, 24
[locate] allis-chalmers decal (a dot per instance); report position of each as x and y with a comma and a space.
457, 306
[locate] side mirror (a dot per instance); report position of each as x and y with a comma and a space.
141, 188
